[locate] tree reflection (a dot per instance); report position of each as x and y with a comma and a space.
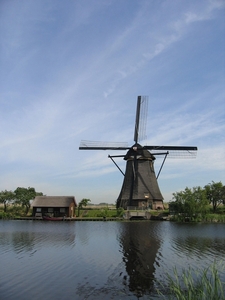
23, 241
29, 241
198, 245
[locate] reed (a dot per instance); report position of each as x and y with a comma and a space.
196, 285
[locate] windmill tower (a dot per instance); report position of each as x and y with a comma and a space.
140, 186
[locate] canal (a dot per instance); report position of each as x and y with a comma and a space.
101, 260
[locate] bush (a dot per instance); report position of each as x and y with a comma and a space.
6, 215
214, 218
119, 212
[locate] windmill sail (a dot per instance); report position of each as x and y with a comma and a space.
95, 145
141, 119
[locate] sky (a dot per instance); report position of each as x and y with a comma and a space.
72, 70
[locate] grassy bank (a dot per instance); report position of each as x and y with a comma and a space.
16, 211
207, 218
97, 213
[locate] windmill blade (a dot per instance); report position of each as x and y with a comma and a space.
175, 151
94, 145
175, 148
178, 154
141, 118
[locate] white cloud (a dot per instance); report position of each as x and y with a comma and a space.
72, 72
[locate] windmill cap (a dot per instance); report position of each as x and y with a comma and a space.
138, 150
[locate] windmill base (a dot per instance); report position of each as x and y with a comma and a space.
157, 205
142, 205
144, 215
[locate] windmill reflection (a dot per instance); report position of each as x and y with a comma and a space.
140, 247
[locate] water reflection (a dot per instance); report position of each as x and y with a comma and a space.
28, 240
132, 274
140, 244
199, 241
198, 246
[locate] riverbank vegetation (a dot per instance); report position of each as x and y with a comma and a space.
195, 284
16, 211
17, 203
199, 204
195, 205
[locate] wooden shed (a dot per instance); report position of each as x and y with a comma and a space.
54, 206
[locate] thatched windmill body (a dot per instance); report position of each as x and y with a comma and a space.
140, 186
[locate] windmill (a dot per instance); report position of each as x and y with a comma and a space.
140, 186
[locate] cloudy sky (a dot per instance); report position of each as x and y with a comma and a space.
72, 70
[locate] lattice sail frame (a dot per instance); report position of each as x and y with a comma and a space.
181, 152
178, 154
103, 145
141, 119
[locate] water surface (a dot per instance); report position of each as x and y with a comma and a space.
101, 260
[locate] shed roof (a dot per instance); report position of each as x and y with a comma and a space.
53, 201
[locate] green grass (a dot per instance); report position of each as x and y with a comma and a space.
196, 285
100, 213
110, 213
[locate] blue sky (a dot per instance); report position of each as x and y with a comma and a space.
72, 71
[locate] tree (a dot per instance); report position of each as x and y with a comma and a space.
24, 196
201, 200
82, 203
215, 193
191, 202
6, 197
178, 204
